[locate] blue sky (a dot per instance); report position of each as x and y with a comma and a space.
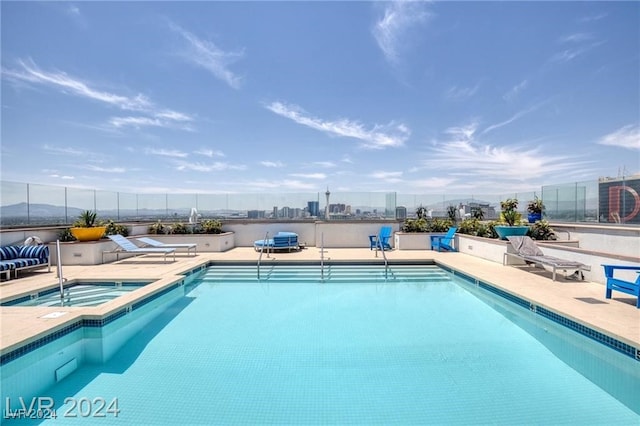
412, 97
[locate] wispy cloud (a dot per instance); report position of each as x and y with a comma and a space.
288, 184
274, 164
625, 137
570, 54
212, 167
435, 183
140, 122
64, 151
391, 30
104, 169
580, 44
324, 164
515, 91
320, 176
462, 153
209, 153
207, 55
461, 93
63, 177
174, 153
515, 117
377, 137
591, 18
576, 38
392, 177
76, 15
29, 72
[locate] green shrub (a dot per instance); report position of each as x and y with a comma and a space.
211, 226
441, 225
116, 229
469, 226
87, 219
541, 230
156, 228
65, 235
179, 228
415, 225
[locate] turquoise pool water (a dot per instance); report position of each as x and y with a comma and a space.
418, 348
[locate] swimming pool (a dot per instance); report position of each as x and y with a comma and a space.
292, 350
78, 293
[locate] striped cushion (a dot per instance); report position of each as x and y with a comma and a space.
6, 265
21, 263
40, 252
9, 252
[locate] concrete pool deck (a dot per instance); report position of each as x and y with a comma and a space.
581, 301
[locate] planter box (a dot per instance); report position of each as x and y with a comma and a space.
90, 252
205, 242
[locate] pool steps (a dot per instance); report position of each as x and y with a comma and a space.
332, 274
77, 295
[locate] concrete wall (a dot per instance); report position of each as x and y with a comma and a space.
345, 234
622, 240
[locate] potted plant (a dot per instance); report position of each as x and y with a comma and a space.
510, 220
86, 228
535, 208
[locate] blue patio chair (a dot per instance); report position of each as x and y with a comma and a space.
381, 241
444, 242
623, 286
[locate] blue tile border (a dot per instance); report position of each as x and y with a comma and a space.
592, 334
23, 350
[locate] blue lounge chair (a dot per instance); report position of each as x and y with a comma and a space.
444, 242
381, 241
623, 286
127, 247
280, 241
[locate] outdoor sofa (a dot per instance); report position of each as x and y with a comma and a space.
14, 258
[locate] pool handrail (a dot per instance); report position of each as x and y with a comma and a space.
384, 255
266, 237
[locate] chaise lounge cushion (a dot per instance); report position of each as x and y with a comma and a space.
280, 241
23, 257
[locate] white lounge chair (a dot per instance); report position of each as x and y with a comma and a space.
127, 247
150, 242
530, 253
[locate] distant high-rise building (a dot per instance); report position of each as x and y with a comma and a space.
275, 212
255, 214
326, 207
314, 208
401, 212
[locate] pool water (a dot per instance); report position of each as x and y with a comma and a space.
79, 293
284, 351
